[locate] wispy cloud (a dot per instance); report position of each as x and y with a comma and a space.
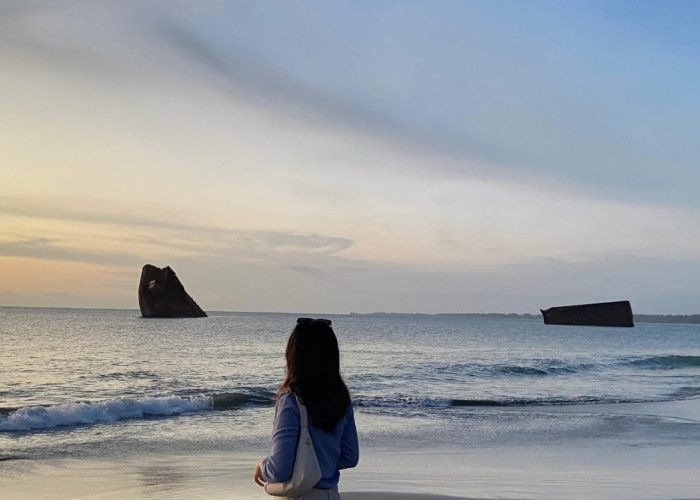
479, 91
49, 249
159, 233
523, 105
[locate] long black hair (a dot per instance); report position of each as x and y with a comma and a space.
313, 372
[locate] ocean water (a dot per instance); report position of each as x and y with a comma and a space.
78, 383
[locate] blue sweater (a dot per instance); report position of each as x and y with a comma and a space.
334, 450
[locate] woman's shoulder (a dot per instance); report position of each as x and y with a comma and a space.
287, 399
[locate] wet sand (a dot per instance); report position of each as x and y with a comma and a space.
213, 477
377, 495
384, 476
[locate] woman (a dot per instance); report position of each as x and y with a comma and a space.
313, 375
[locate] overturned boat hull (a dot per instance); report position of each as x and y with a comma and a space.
598, 314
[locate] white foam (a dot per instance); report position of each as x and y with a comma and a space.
47, 417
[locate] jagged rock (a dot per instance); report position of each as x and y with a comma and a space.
161, 295
599, 314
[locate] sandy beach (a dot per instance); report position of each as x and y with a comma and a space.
636, 466
211, 477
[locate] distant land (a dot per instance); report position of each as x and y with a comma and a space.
687, 319
692, 319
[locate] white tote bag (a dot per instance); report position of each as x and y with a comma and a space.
306, 471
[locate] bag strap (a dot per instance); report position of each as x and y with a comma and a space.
304, 421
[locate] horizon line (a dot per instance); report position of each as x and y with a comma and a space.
351, 313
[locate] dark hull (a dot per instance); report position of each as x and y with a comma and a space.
161, 295
600, 314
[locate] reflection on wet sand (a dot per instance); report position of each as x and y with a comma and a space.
162, 478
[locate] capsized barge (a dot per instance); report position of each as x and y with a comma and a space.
599, 314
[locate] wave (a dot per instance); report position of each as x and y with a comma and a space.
407, 402
550, 367
666, 362
686, 393
554, 401
231, 400
400, 401
30, 418
533, 368
128, 375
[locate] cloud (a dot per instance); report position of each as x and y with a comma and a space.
507, 97
478, 91
309, 271
63, 299
311, 242
49, 249
187, 237
336, 284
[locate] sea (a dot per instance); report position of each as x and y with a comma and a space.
109, 384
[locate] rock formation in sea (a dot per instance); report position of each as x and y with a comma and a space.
599, 314
161, 295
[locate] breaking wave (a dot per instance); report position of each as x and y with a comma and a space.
30, 418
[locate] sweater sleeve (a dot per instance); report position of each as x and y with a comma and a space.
278, 466
349, 445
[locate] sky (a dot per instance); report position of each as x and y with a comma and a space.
359, 156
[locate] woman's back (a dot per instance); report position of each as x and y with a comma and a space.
335, 450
